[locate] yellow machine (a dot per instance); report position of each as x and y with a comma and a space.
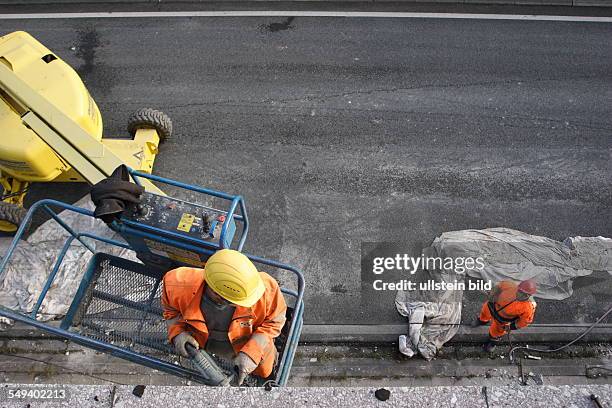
51, 128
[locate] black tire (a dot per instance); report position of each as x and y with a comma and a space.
12, 213
148, 118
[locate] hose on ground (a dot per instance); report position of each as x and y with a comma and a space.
587, 331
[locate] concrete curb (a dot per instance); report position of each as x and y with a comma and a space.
542, 333
388, 333
57, 362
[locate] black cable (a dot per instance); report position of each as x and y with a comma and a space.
63, 368
587, 331
269, 385
16, 193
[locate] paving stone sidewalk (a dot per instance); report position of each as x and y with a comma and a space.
196, 396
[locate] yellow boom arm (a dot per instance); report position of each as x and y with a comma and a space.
88, 156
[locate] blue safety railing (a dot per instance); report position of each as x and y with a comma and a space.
67, 330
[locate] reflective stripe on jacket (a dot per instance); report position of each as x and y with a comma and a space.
252, 330
508, 308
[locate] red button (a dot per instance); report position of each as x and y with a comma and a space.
221, 218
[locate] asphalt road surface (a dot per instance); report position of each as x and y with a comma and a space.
340, 131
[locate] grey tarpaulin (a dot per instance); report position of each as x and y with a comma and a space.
508, 255
34, 258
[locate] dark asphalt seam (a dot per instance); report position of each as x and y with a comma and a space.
322, 109
386, 90
320, 113
565, 122
432, 86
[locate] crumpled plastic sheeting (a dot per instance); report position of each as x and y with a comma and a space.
431, 314
33, 260
508, 255
419, 332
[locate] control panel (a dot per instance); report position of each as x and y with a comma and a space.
156, 214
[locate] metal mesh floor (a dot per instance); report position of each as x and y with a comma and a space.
122, 307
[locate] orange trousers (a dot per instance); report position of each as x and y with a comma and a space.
497, 329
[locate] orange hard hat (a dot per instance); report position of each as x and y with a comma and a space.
528, 286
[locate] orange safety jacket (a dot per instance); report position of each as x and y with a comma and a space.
252, 329
505, 308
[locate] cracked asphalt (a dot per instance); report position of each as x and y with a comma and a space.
346, 130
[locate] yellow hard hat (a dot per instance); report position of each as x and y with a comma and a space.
234, 277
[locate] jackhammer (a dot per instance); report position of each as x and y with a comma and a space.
208, 367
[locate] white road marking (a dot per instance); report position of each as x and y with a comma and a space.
169, 14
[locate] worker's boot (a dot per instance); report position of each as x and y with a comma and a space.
490, 345
477, 323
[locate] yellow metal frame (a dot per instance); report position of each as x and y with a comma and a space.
53, 128
94, 160
138, 153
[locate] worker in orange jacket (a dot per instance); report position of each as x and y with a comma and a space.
509, 307
228, 308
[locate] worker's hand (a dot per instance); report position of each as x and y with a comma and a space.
244, 366
181, 340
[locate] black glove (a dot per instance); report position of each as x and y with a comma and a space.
112, 194
513, 326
